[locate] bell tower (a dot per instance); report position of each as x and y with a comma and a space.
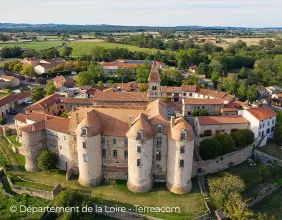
154, 87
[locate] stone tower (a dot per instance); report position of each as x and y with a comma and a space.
154, 84
180, 156
33, 142
140, 156
89, 150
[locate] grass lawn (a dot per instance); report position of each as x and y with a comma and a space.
34, 45
83, 47
6, 60
248, 173
13, 138
272, 149
272, 205
191, 205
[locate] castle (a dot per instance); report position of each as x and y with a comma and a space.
143, 144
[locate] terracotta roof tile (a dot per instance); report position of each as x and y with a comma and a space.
180, 124
23, 95
218, 120
121, 96
7, 99
154, 74
216, 94
45, 102
189, 88
171, 89
194, 101
262, 113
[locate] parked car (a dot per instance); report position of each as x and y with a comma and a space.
28, 102
13, 113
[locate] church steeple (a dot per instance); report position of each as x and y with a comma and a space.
154, 87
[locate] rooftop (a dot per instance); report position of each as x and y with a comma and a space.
193, 101
121, 96
262, 113
154, 74
218, 120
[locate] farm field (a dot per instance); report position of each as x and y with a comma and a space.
42, 45
83, 47
249, 41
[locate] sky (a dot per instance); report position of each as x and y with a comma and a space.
239, 13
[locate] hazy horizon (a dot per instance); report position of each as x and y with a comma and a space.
248, 13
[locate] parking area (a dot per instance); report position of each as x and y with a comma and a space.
10, 117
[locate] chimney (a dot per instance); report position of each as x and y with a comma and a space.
172, 121
130, 121
77, 118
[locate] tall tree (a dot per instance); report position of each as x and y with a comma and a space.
90, 77
27, 70
242, 90
67, 51
243, 73
142, 73
50, 88
37, 93
252, 93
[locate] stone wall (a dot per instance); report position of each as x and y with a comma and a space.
263, 157
204, 167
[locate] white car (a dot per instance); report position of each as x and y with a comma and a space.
28, 102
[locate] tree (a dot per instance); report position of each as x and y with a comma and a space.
100, 83
3, 38
67, 51
37, 93
143, 87
242, 90
243, 73
30, 53
239, 139
215, 77
248, 135
46, 160
252, 93
202, 68
90, 77
221, 187
210, 148
236, 208
64, 114
50, 88
264, 216
2, 121
142, 73
27, 70
227, 143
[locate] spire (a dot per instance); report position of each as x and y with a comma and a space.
154, 74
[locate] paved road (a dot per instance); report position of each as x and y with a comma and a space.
10, 118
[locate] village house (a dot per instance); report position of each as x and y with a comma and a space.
172, 93
262, 91
31, 61
208, 126
23, 97
46, 65
8, 81
212, 106
272, 90
7, 104
62, 83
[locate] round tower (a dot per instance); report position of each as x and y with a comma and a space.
180, 157
89, 150
33, 143
140, 156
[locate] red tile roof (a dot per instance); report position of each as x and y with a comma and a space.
212, 93
7, 99
189, 88
262, 113
154, 74
45, 102
218, 120
191, 101
171, 89
121, 96
23, 95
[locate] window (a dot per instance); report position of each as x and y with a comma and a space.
268, 123
190, 94
158, 156
159, 142
114, 141
272, 129
103, 140
139, 162
272, 121
115, 153
85, 157
182, 149
259, 134
181, 164
139, 136
203, 107
83, 145
268, 131
182, 136
189, 113
138, 149
125, 141
184, 94
198, 95
83, 131
159, 129
104, 152
125, 153
198, 107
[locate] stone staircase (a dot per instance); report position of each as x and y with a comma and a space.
204, 191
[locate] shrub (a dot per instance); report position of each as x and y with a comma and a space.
248, 135
210, 148
228, 145
2, 121
46, 160
239, 139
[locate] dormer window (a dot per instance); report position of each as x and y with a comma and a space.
159, 128
183, 134
139, 135
84, 131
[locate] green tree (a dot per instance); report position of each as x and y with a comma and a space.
37, 93
242, 90
239, 139
210, 148
248, 135
3, 38
100, 83
236, 208
18, 67
202, 68
2, 121
221, 187
227, 143
46, 160
252, 93
90, 77
142, 73
243, 73
215, 77
27, 70
50, 88
67, 51
64, 114
143, 87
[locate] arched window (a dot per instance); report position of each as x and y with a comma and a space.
183, 134
159, 128
84, 131
139, 135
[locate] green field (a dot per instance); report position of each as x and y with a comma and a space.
80, 48
272, 149
41, 45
